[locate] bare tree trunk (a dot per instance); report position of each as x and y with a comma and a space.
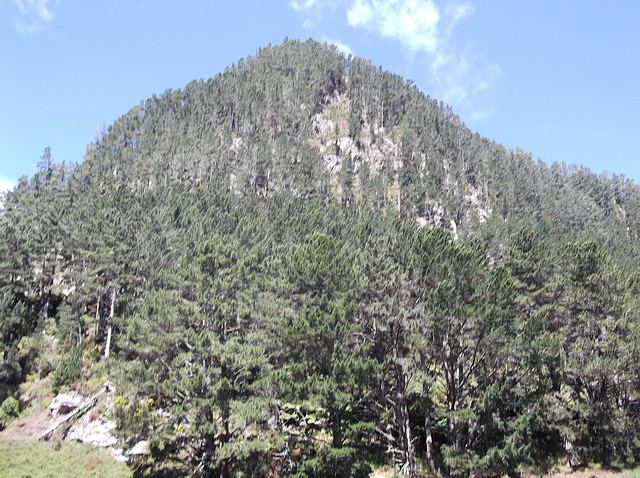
427, 417
106, 350
555, 433
113, 303
98, 315
603, 431
429, 437
409, 450
451, 373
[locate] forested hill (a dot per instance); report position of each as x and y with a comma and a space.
301, 118
305, 266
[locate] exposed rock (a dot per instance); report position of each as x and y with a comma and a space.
75, 404
118, 454
65, 403
140, 448
96, 432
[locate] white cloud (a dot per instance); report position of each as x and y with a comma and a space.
346, 49
458, 75
458, 11
313, 6
361, 14
5, 186
35, 14
307, 4
414, 23
314, 11
38, 7
454, 12
461, 78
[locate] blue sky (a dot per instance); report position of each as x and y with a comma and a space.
558, 79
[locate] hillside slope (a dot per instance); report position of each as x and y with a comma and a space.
302, 118
307, 267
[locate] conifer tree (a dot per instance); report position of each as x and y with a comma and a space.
327, 367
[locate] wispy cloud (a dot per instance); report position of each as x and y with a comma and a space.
463, 79
412, 22
314, 10
5, 187
344, 48
457, 74
34, 15
308, 4
461, 76
297, 6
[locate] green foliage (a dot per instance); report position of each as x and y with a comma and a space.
217, 384
9, 410
328, 461
461, 462
133, 419
68, 372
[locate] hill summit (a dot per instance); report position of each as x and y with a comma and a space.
302, 118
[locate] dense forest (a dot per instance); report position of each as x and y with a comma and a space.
305, 266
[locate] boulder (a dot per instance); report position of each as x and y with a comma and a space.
96, 432
65, 403
140, 448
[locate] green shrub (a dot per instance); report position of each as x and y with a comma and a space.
133, 419
45, 367
9, 410
68, 372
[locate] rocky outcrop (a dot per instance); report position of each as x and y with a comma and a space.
65, 403
74, 404
89, 428
94, 432
140, 448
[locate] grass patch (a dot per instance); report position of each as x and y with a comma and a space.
631, 474
21, 459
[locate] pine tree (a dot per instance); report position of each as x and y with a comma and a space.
327, 368
466, 320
